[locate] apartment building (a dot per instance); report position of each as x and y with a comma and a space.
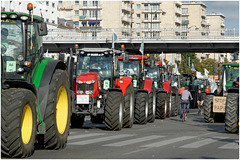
46, 9
90, 16
194, 19
217, 24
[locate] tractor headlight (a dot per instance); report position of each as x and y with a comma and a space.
79, 82
80, 92
13, 16
90, 82
89, 92
20, 58
3, 15
24, 18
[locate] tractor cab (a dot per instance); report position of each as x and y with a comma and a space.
230, 74
154, 73
21, 46
133, 68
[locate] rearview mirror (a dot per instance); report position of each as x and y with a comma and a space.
42, 29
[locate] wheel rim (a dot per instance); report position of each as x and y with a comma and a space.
165, 109
27, 124
146, 109
62, 110
131, 107
120, 114
154, 105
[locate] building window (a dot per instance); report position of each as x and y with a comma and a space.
76, 2
184, 10
77, 24
155, 17
84, 3
155, 25
145, 16
53, 5
138, 34
154, 7
76, 12
94, 3
68, 14
145, 25
53, 21
68, 2
145, 7
47, 20
84, 13
184, 26
184, 17
138, 25
47, 3
138, 6
59, 2
138, 16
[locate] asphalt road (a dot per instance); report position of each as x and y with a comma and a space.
163, 139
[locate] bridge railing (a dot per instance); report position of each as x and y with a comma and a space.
92, 34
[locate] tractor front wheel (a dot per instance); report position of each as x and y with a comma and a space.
18, 122
152, 106
129, 107
58, 111
161, 105
208, 109
141, 108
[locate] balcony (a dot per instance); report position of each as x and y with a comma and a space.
151, 21
178, 11
65, 7
185, 21
203, 22
178, 3
126, 19
222, 24
151, 2
152, 11
87, 18
90, 28
91, 7
126, 8
177, 20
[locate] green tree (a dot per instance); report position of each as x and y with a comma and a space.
209, 65
185, 61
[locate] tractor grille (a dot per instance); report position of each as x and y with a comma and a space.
85, 87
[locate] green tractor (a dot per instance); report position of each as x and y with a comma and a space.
35, 94
224, 102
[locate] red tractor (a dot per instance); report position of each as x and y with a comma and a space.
99, 92
145, 101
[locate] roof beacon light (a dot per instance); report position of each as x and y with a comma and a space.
30, 6
148, 55
76, 46
122, 46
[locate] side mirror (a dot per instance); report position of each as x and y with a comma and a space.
152, 64
125, 58
42, 29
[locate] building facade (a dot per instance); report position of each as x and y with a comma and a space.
217, 24
46, 9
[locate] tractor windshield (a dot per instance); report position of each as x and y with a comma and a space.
99, 64
232, 73
11, 42
152, 73
131, 68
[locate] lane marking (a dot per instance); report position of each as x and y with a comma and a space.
84, 135
233, 145
203, 142
166, 142
133, 141
96, 140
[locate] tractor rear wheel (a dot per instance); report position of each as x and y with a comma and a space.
77, 120
152, 106
231, 113
174, 105
169, 106
208, 105
161, 105
58, 111
114, 111
18, 122
141, 108
129, 107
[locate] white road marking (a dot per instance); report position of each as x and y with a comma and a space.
85, 135
203, 142
233, 145
133, 141
166, 142
96, 140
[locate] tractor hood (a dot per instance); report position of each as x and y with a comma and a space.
87, 77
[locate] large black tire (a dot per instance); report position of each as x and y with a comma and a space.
152, 106
58, 111
231, 113
169, 107
18, 122
208, 106
98, 119
77, 120
174, 105
141, 108
161, 105
129, 107
114, 111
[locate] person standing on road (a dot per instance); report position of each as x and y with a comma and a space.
200, 102
185, 100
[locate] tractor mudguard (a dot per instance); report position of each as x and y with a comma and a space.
166, 86
22, 84
148, 84
142, 90
43, 89
210, 94
126, 81
233, 90
161, 90
207, 90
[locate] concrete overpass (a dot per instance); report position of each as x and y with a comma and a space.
61, 40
